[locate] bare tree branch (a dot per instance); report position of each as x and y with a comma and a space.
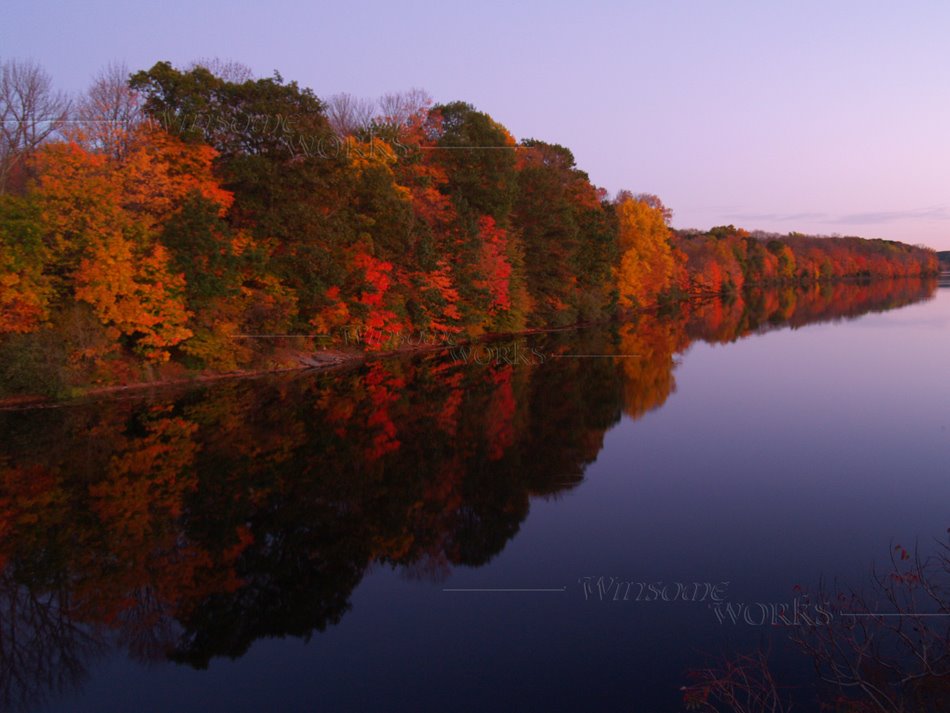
108, 113
227, 69
400, 108
30, 113
348, 114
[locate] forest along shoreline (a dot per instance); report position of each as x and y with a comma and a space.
167, 248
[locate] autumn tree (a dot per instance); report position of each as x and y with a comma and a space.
104, 252
567, 235
647, 265
478, 154
478, 157
292, 179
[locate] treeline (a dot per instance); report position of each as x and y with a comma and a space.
177, 219
725, 259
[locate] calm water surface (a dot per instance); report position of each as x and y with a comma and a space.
349, 541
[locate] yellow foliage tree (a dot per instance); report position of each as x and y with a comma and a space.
647, 264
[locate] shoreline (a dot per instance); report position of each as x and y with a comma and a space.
322, 361
331, 359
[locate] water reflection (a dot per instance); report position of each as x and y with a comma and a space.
188, 525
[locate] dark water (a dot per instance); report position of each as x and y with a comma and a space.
308, 542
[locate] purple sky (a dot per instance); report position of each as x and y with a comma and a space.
828, 117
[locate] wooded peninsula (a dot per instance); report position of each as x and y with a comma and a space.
180, 221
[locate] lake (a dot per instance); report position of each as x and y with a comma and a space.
559, 521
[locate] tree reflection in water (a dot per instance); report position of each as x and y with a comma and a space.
189, 524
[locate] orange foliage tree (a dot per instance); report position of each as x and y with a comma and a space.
103, 249
647, 265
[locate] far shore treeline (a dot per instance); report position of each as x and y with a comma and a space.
176, 220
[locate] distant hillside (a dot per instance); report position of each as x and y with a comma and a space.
944, 256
